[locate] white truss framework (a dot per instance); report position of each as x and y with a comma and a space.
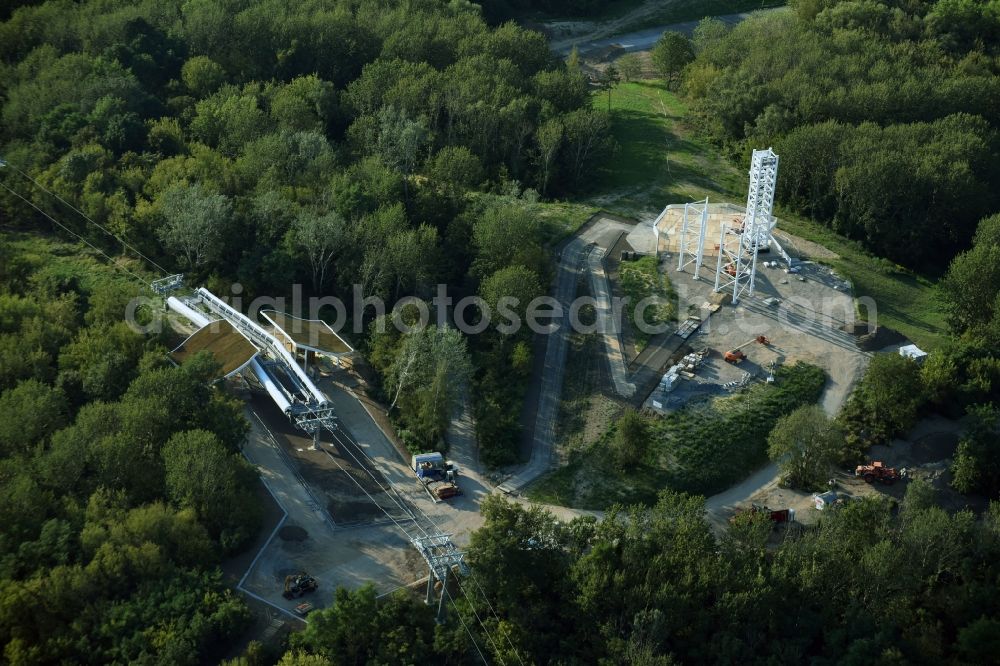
168, 284
441, 555
740, 242
692, 246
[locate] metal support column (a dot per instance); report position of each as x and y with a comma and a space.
755, 232
444, 591
441, 555
718, 264
689, 247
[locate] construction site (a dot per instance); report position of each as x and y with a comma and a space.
353, 511
745, 308
356, 508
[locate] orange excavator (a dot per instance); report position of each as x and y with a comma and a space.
877, 471
736, 355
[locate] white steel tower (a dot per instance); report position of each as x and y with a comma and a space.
692, 246
740, 242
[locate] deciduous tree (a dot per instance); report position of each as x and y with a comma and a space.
630, 67
671, 54
806, 444
195, 223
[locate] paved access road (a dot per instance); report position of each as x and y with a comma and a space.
640, 40
608, 323
603, 232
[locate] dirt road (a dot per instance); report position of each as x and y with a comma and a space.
590, 37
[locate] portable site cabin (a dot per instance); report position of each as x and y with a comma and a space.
914, 352
433, 466
825, 500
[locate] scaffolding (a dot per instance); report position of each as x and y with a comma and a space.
691, 247
441, 556
740, 241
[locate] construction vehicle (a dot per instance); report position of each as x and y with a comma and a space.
298, 584
877, 471
736, 355
438, 476
304, 609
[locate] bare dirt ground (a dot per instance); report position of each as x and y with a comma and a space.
307, 539
803, 324
331, 475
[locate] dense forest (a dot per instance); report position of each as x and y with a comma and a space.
331, 144
874, 583
121, 488
885, 115
260, 143
395, 144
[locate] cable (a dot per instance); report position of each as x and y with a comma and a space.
67, 229
506, 635
444, 590
482, 624
437, 530
86, 217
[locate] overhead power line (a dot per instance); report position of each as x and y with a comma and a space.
436, 530
4, 163
141, 279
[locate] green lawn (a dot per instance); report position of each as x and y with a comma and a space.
561, 218
660, 160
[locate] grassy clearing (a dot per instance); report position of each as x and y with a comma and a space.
640, 280
561, 218
585, 412
661, 161
702, 448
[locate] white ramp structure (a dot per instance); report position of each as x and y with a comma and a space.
691, 244
740, 242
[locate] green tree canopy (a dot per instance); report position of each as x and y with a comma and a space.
29, 414
195, 223
671, 54
885, 402
806, 444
